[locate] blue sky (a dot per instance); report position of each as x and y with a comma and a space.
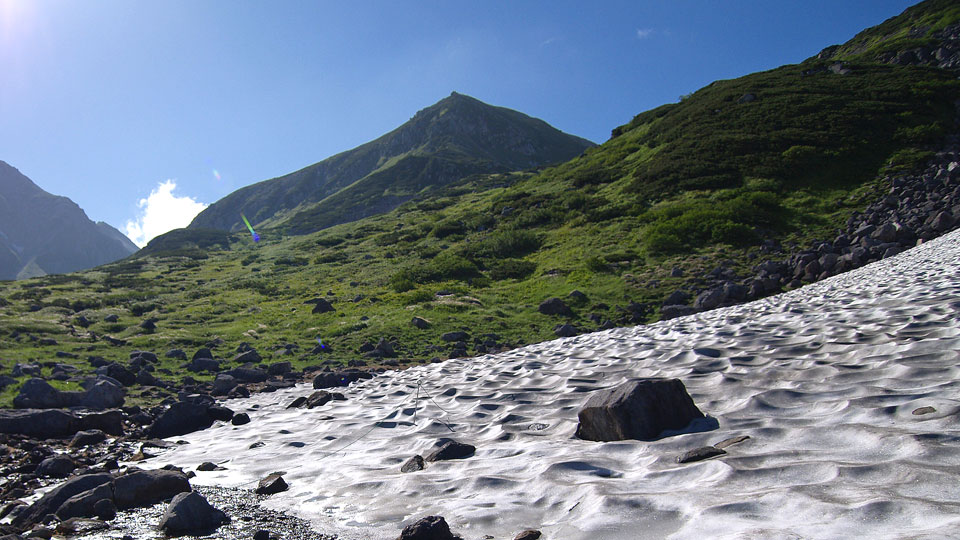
141, 111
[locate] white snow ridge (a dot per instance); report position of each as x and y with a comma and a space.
824, 379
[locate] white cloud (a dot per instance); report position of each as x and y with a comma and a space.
644, 33
160, 212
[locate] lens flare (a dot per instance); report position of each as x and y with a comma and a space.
256, 237
216, 174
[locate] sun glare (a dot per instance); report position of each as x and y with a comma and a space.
14, 17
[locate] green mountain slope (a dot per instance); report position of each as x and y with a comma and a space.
452, 139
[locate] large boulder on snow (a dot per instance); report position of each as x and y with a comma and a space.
639, 409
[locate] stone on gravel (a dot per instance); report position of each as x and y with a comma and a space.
141, 488
190, 513
87, 438
639, 409
53, 499
271, 484
82, 504
56, 466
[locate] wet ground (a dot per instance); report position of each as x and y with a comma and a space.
243, 506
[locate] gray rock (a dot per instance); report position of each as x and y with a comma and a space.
81, 504
450, 337
672, 312
565, 330
203, 363
709, 299
56, 466
413, 464
248, 375
271, 484
53, 499
420, 323
555, 306
38, 394
450, 449
677, 298
279, 368
248, 356
138, 488
639, 409
190, 513
529, 534
180, 418
321, 305
240, 419
87, 438
223, 384
428, 528
699, 454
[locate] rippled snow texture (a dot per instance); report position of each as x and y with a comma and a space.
823, 379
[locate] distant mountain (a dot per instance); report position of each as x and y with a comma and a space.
446, 142
42, 233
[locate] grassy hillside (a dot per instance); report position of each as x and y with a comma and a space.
784, 155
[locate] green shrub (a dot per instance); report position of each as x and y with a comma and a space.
448, 227
249, 259
402, 281
504, 244
325, 258
287, 260
418, 297
448, 265
510, 269
596, 265
140, 309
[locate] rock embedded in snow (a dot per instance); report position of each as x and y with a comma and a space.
529, 534
271, 484
413, 464
191, 513
639, 409
700, 454
240, 419
428, 528
451, 449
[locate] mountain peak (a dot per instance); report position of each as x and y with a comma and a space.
455, 137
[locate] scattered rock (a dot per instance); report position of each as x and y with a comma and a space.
240, 419
138, 488
565, 330
428, 528
413, 464
450, 337
639, 409
529, 534
731, 441
190, 513
924, 410
699, 454
451, 449
87, 438
420, 323
56, 466
555, 306
271, 484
